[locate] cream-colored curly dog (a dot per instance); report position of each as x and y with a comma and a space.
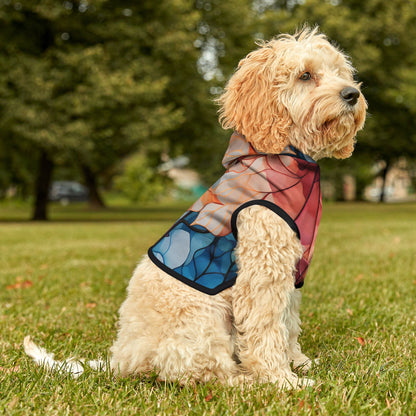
294, 96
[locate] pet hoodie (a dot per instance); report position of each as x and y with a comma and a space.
199, 248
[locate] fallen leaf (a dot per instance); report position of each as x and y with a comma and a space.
91, 305
361, 341
350, 312
20, 285
209, 396
301, 404
10, 287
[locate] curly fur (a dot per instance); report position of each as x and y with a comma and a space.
248, 332
266, 102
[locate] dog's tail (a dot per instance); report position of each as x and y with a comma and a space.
71, 365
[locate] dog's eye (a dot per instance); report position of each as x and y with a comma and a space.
306, 76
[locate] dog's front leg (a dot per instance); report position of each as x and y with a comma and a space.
299, 360
267, 253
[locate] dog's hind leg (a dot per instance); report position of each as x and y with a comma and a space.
141, 324
199, 347
177, 331
267, 253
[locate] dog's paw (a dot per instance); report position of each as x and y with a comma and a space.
304, 364
296, 383
306, 382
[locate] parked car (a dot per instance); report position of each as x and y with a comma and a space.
68, 191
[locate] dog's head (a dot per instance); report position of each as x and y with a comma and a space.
296, 90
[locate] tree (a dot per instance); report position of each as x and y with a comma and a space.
95, 82
81, 84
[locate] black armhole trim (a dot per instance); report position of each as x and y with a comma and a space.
276, 209
188, 282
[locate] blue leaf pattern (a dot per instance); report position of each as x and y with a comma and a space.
196, 254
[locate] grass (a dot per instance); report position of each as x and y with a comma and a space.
63, 281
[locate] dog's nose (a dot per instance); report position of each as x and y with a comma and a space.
350, 95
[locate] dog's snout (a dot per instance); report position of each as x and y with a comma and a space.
350, 95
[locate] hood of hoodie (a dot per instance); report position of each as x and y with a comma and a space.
239, 148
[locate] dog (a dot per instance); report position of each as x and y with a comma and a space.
217, 297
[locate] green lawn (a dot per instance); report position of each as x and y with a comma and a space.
62, 282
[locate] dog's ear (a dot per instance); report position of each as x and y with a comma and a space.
251, 104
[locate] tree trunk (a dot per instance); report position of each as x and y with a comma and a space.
42, 185
383, 185
95, 199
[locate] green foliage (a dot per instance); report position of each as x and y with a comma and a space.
92, 83
83, 90
140, 182
223, 36
16, 167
